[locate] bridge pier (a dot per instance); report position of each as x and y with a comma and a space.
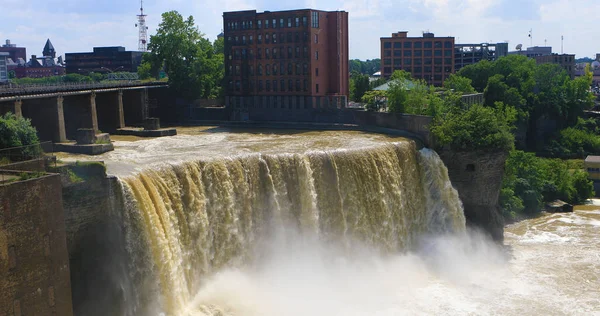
110, 111
47, 116
11, 106
135, 106
80, 113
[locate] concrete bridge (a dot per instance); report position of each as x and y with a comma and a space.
57, 111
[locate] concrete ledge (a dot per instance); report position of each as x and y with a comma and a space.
91, 149
133, 131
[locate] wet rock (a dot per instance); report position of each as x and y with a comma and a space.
559, 206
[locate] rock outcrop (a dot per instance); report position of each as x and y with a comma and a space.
477, 176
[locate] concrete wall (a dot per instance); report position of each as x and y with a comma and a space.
29, 165
477, 176
34, 266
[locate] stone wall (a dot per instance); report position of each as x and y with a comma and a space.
29, 165
34, 265
477, 176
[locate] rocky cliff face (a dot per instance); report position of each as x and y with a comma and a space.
477, 176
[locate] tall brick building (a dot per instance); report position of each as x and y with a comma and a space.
286, 60
429, 58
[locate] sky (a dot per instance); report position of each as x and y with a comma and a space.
79, 25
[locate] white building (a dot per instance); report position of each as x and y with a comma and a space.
3, 68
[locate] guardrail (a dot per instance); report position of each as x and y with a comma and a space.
25, 89
23, 153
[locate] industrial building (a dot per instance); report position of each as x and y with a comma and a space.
428, 57
566, 61
103, 60
468, 54
533, 52
14, 53
3, 68
286, 59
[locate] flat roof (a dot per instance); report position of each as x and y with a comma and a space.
592, 159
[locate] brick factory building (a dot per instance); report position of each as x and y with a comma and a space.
566, 61
428, 57
103, 60
286, 59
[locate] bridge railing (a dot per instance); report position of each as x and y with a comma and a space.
23, 153
23, 89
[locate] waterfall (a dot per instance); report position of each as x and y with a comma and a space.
189, 220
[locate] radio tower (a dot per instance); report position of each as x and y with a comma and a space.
143, 29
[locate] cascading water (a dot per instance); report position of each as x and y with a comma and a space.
189, 220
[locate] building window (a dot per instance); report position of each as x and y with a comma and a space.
408, 53
268, 85
290, 54
305, 85
274, 38
387, 53
289, 22
297, 22
274, 69
397, 53
237, 41
244, 54
274, 23
251, 54
244, 40
274, 53
282, 85
298, 69
297, 37
290, 85
289, 37
448, 61
316, 72
268, 69
282, 52
428, 53
397, 45
267, 38
237, 85
266, 24
298, 85
290, 68
448, 53
267, 53
259, 39
418, 45
251, 70
316, 38
305, 52
397, 61
304, 21
250, 25
260, 85
387, 45
281, 23
316, 55
305, 69
251, 39
447, 44
407, 61
281, 38
317, 87
305, 37
438, 44
275, 85
297, 51
315, 19
387, 61
258, 53
437, 53
428, 44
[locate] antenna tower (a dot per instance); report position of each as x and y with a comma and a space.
143, 29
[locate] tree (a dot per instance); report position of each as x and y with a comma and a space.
360, 85
374, 100
194, 67
16, 132
477, 128
459, 84
397, 93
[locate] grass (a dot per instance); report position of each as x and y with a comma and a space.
4, 161
73, 177
30, 175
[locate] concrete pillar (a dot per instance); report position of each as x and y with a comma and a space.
93, 118
144, 102
60, 132
18, 108
120, 114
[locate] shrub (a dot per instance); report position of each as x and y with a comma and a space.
16, 132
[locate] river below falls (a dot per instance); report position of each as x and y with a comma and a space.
549, 266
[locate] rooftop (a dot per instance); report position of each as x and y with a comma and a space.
592, 159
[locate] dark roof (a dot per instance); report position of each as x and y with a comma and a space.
48, 48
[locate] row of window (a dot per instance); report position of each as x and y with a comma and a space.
275, 69
418, 44
419, 61
419, 53
420, 69
270, 85
288, 22
423, 75
270, 53
270, 38
593, 169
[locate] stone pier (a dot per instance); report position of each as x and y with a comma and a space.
109, 107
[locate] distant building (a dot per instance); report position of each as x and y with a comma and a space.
3, 67
598, 57
468, 54
592, 166
533, 52
429, 58
13, 51
566, 61
103, 60
38, 67
286, 59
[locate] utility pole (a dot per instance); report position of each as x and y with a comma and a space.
562, 39
531, 37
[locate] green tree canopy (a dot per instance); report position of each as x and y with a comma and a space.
194, 64
459, 84
16, 132
359, 84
